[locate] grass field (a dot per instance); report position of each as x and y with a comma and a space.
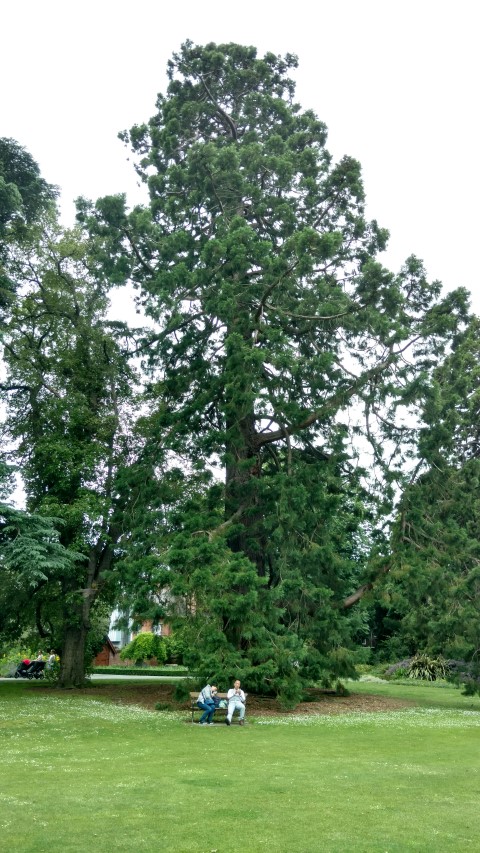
81, 774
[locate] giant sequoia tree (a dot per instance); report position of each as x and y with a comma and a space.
276, 322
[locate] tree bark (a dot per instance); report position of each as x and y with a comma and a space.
72, 664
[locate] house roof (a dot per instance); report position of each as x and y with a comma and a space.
108, 643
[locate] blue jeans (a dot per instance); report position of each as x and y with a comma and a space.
208, 709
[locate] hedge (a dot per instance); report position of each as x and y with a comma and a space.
171, 670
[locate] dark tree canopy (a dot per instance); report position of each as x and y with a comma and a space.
24, 198
24, 194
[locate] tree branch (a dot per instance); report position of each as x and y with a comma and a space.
360, 592
226, 118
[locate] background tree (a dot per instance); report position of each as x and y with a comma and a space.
24, 198
434, 586
69, 392
276, 326
30, 556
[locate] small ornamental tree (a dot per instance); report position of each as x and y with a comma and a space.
276, 326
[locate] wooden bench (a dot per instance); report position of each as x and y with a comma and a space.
194, 697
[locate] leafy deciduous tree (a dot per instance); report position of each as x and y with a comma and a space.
69, 390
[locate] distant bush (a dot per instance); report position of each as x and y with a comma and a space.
427, 668
421, 666
399, 670
175, 648
145, 646
466, 675
163, 706
11, 657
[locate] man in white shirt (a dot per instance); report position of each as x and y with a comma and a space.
236, 702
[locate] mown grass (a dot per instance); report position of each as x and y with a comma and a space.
436, 694
79, 774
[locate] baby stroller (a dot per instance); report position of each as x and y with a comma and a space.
22, 669
33, 669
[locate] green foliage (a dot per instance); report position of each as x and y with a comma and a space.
142, 670
433, 586
68, 389
52, 674
145, 646
25, 200
175, 648
184, 688
402, 672
279, 346
24, 194
10, 657
276, 327
427, 668
31, 557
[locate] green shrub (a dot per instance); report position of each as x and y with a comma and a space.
401, 672
184, 688
51, 673
145, 646
163, 706
422, 666
428, 668
290, 693
11, 657
362, 655
175, 648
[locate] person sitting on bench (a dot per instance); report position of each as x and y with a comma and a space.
206, 701
236, 702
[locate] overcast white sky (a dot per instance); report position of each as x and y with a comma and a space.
395, 82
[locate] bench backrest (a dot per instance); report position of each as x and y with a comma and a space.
194, 696
219, 695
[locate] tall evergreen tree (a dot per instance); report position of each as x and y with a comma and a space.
25, 197
434, 584
276, 323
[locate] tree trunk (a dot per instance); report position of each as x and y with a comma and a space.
242, 456
72, 663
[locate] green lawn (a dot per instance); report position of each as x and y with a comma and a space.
79, 774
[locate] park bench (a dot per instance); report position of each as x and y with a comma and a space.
194, 697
